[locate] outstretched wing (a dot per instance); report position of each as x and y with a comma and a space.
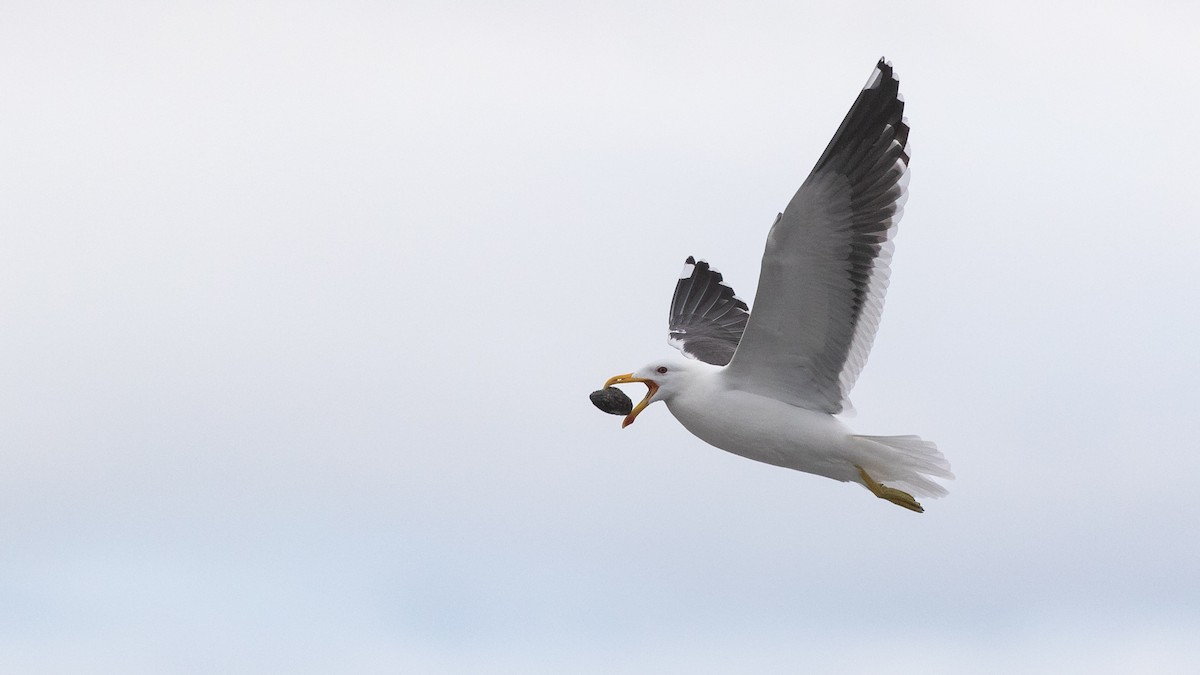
707, 319
825, 269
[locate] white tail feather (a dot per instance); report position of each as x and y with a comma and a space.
907, 463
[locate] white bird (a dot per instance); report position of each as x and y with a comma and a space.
767, 386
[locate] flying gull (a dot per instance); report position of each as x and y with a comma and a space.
767, 386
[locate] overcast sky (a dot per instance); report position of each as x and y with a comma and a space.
300, 304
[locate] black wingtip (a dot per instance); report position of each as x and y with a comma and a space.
706, 320
701, 265
883, 73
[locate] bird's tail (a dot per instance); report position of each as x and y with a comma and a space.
906, 462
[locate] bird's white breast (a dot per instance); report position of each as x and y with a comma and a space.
763, 428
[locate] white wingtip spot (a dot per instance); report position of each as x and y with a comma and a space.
874, 80
688, 270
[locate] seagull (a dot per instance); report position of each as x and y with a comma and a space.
767, 385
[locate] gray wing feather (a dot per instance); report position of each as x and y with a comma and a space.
707, 319
825, 269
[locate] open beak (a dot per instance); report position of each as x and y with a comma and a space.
628, 378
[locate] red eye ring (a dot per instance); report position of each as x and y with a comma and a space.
662, 370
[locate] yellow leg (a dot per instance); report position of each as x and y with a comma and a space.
898, 497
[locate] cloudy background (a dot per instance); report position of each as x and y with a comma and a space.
300, 304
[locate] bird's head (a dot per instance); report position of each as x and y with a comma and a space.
663, 380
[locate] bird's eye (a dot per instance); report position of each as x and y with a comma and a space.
662, 370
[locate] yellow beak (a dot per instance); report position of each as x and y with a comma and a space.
628, 378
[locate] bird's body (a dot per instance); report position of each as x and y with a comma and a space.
757, 427
768, 386
768, 430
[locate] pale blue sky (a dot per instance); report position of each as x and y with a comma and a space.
301, 304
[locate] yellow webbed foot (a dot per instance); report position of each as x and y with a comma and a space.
898, 497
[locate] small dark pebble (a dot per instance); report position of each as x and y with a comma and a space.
612, 401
